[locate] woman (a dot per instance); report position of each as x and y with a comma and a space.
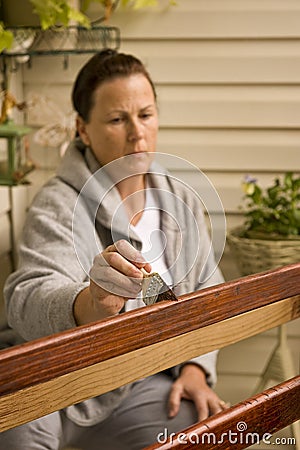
69, 275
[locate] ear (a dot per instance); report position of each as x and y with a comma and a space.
81, 128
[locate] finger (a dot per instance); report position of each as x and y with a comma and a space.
113, 258
114, 282
113, 271
121, 264
202, 407
174, 400
130, 253
224, 405
217, 405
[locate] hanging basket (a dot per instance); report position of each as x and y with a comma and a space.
258, 255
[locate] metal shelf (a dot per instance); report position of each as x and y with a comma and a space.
33, 41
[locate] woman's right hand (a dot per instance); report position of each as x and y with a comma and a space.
114, 278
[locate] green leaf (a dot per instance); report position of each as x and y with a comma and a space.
138, 4
6, 38
288, 179
297, 216
257, 194
79, 18
86, 3
275, 209
125, 3
53, 12
135, 4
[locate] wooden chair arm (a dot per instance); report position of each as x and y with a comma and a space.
42, 376
245, 424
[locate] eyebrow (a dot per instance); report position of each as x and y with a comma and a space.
114, 111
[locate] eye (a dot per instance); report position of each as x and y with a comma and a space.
146, 115
116, 120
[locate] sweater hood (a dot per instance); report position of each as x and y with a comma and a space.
80, 169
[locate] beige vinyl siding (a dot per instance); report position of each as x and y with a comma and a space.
227, 75
228, 79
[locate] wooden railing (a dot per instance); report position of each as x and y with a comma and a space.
249, 422
45, 375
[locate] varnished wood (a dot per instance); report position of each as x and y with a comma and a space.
50, 357
242, 425
31, 402
51, 373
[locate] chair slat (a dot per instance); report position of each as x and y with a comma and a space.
46, 358
48, 374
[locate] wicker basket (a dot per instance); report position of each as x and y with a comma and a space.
258, 255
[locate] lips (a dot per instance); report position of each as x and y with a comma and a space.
137, 152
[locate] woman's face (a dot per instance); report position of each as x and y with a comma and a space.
123, 121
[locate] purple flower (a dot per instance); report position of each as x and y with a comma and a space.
249, 179
248, 185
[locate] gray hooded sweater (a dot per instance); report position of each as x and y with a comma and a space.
63, 233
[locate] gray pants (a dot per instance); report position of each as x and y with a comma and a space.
135, 424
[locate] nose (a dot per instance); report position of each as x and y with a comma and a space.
135, 130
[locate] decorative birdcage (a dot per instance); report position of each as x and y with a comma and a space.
15, 163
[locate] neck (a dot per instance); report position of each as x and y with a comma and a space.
132, 192
131, 185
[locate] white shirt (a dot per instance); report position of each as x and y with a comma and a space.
153, 244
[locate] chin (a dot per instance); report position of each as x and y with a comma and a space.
133, 164
138, 162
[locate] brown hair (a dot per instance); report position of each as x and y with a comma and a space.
104, 66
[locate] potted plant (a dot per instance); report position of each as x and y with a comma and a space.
49, 13
270, 238
270, 235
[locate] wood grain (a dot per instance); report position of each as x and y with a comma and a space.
262, 414
29, 403
53, 356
